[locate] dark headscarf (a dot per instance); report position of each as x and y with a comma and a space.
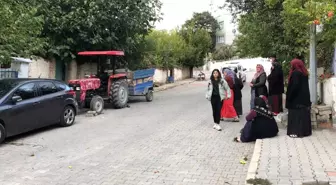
262, 107
277, 68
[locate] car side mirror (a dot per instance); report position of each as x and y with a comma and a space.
16, 99
244, 69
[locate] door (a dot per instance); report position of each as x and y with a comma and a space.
50, 99
24, 114
60, 70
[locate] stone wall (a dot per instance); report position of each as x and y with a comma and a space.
42, 68
329, 92
321, 116
179, 74
47, 69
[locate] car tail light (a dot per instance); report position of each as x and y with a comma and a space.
72, 92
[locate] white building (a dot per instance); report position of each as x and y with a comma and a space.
227, 31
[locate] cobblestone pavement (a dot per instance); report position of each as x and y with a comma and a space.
167, 141
287, 161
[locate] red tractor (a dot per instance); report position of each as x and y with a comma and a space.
109, 84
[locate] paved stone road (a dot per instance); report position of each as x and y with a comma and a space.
167, 141
287, 161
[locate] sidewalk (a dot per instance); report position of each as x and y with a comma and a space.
175, 84
286, 161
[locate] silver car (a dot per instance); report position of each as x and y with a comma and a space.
241, 72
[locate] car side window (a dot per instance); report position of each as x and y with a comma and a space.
61, 86
47, 88
26, 91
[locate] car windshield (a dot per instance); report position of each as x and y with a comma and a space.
6, 86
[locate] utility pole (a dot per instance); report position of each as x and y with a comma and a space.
312, 65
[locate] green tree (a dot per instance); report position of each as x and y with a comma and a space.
164, 49
204, 21
19, 31
198, 46
224, 52
71, 26
262, 30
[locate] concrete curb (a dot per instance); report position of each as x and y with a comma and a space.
171, 86
253, 167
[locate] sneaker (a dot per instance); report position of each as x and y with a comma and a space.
217, 127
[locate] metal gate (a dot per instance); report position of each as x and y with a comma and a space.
8, 73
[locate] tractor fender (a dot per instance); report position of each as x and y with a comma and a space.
148, 89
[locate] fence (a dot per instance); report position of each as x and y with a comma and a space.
8, 73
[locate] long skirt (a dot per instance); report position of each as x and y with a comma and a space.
247, 134
238, 107
299, 122
252, 99
228, 111
276, 103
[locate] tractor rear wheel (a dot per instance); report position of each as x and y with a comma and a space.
119, 94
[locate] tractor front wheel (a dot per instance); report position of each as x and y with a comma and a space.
119, 94
97, 104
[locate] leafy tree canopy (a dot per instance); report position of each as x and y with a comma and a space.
19, 31
164, 49
204, 21
71, 26
224, 52
199, 44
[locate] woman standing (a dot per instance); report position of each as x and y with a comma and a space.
298, 101
237, 95
218, 90
228, 111
258, 84
276, 88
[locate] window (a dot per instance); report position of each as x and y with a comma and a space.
220, 39
26, 91
6, 86
47, 88
61, 86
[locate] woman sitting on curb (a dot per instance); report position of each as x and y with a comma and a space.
260, 123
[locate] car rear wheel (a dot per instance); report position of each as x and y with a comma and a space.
2, 133
68, 116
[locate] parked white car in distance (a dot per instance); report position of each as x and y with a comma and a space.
241, 71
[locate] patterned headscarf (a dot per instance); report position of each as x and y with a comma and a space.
230, 73
257, 74
262, 107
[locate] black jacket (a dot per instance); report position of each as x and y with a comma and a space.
260, 85
298, 95
238, 86
276, 81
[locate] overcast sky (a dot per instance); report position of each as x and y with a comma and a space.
176, 12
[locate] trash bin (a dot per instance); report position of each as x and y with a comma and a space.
170, 79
